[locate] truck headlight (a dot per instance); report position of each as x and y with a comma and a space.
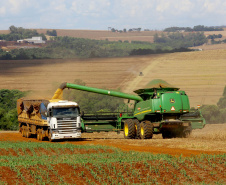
55, 132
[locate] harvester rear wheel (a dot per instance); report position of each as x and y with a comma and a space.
167, 135
186, 132
129, 129
146, 130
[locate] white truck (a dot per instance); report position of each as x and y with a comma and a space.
54, 119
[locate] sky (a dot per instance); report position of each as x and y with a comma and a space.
118, 14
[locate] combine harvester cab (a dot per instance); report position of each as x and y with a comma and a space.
54, 119
162, 108
158, 109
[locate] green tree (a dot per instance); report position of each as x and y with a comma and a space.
92, 102
8, 111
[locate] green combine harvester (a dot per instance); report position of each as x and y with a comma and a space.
159, 108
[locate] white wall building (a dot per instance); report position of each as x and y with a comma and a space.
33, 40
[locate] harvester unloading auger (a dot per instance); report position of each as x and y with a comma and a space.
158, 109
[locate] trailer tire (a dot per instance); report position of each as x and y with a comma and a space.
40, 135
50, 136
23, 131
28, 134
146, 130
129, 129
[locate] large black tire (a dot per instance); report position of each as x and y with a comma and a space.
129, 129
137, 126
23, 132
167, 135
186, 132
50, 136
146, 130
28, 133
40, 135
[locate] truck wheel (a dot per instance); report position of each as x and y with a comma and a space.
50, 136
146, 130
40, 135
23, 131
137, 127
129, 129
28, 134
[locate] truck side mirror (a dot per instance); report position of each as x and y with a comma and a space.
82, 113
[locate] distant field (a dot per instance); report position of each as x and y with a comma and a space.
103, 35
201, 74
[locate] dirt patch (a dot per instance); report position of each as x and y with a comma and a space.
194, 145
8, 175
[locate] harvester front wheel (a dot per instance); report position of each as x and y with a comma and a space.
129, 129
146, 130
137, 125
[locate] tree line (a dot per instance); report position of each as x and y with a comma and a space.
70, 47
215, 113
18, 33
195, 28
179, 40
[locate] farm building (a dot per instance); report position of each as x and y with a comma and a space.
33, 40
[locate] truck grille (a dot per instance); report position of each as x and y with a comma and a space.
66, 126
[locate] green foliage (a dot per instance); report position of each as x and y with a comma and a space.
195, 28
215, 113
92, 102
17, 33
178, 40
51, 33
214, 36
69, 47
8, 111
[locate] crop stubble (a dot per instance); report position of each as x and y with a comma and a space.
201, 74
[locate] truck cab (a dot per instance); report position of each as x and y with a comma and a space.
64, 120
55, 119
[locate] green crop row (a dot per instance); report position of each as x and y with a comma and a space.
49, 163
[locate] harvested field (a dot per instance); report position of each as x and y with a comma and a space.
114, 160
146, 36
201, 74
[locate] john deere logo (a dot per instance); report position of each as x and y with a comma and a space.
172, 101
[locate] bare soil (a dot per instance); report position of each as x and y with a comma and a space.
193, 145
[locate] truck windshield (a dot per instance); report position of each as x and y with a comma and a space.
65, 112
